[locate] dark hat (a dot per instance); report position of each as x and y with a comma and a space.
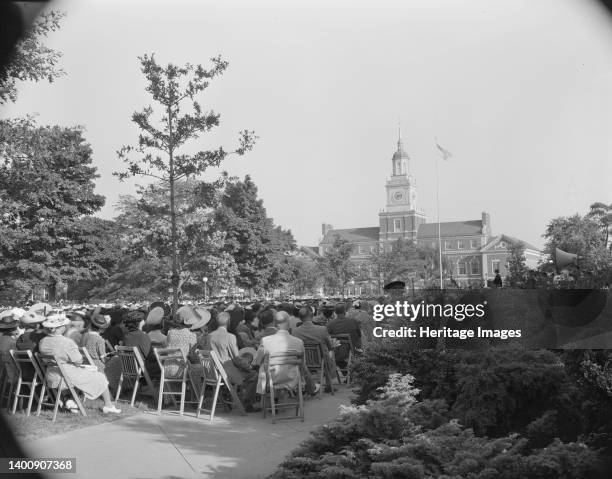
160, 304
99, 320
134, 316
7, 320
395, 285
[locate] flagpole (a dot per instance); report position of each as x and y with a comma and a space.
439, 228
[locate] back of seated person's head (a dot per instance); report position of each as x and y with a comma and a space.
223, 319
266, 317
281, 320
256, 307
305, 313
340, 309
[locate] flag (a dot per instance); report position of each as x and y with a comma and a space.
445, 153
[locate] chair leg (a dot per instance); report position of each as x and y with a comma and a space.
322, 381
183, 391
119, 387
136, 384
161, 393
201, 398
33, 385
301, 399
263, 404
17, 392
215, 398
57, 401
41, 398
272, 403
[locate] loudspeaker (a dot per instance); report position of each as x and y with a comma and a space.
563, 259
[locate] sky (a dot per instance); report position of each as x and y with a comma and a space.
520, 92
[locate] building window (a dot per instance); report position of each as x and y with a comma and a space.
475, 267
460, 245
372, 249
397, 225
447, 245
461, 269
474, 244
500, 245
361, 250
495, 265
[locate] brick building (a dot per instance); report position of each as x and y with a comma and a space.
472, 249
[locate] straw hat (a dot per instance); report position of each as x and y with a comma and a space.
101, 321
32, 317
55, 321
155, 316
190, 315
248, 350
203, 321
40, 308
7, 320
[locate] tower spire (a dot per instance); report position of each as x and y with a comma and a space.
399, 134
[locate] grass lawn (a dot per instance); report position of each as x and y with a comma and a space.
33, 427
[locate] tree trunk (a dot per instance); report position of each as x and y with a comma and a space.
175, 269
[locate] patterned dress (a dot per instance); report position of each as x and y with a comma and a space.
66, 351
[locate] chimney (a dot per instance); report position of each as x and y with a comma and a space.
486, 223
325, 228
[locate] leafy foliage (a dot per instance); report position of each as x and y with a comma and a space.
31, 60
47, 235
336, 266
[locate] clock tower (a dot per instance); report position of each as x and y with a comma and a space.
400, 218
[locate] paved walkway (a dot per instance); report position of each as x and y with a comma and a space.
148, 446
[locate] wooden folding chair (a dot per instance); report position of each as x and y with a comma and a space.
133, 369
87, 359
346, 345
172, 358
30, 375
315, 363
292, 359
215, 376
48, 361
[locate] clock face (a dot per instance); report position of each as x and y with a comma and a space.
398, 196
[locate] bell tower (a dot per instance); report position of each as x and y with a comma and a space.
400, 218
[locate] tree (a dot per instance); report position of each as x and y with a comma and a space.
47, 234
146, 236
159, 151
336, 266
31, 60
602, 213
517, 268
251, 237
581, 235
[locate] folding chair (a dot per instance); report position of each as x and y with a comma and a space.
30, 375
132, 370
87, 359
48, 361
215, 376
172, 358
315, 363
292, 359
346, 345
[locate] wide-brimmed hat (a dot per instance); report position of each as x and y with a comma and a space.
204, 319
190, 315
7, 320
395, 285
55, 321
160, 304
32, 317
99, 320
155, 316
77, 315
40, 308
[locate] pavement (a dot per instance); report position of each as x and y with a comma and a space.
148, 446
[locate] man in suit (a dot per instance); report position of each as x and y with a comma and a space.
343, 325
225, 345
313, 333
282, 342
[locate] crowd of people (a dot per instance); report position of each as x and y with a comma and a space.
241, 335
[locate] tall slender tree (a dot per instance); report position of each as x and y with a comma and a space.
158, 153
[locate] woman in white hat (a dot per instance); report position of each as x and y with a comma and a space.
8, 334
93, 383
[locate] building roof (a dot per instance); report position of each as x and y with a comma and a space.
450, 228
353, 235
400, 153
310, 251
511, 239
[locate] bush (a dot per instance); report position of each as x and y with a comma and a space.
396, 436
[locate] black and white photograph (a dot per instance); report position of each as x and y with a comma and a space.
306, 239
